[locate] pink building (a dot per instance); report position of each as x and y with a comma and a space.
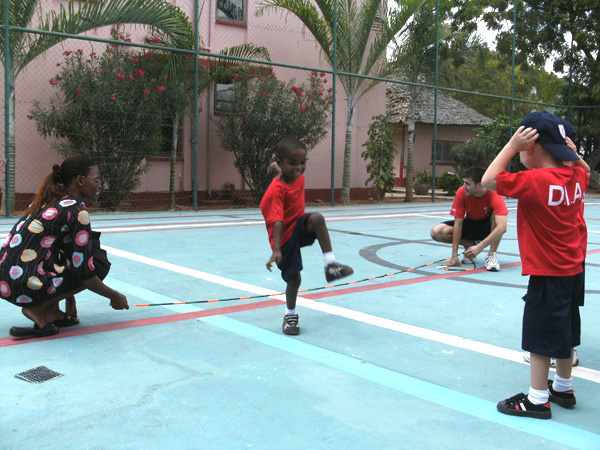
222, 24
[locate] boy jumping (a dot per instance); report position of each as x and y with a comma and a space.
550, 230
290, 228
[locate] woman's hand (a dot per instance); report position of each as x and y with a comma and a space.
118, 301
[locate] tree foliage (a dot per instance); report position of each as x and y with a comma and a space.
564, 30
481, 150
110, 108
73, 18
264, 110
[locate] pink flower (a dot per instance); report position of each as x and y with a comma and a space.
29, 116
154, 80
154, 39
147, 92
53, 82
188, 57
140, 73
330, 89
121, 76
134, 60
322, 74
313, 73
114, 98
200, 109
160, 88
148, 55
131, 77
128, 40
79, 91
57, 64
67, 53
165, 77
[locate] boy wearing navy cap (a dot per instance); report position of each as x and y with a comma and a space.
551, 234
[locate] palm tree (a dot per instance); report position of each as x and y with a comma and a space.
183, 92
414, 60
75, 18
363, 36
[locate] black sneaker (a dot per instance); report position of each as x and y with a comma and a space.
335, 271
290, 324
564, 399
519, 405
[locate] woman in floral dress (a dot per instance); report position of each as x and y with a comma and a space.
52, 253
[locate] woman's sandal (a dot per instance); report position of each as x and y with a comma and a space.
25, 332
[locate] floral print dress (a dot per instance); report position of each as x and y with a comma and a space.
47, 254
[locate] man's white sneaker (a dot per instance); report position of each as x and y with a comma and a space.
491, 262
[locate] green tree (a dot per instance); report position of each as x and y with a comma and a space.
491, 73
265, 110
414, 60
566, 31
363, 36
76, 18
110, 108
380, 154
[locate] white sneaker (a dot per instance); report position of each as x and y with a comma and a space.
491, 262
526, 358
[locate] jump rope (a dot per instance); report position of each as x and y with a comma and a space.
444, 267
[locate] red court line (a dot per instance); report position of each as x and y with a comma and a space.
7, 342
64, 333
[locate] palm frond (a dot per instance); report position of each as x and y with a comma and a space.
20, 14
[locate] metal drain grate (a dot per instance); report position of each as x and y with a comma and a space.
38, 374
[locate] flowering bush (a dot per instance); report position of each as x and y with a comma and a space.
265, 109
107, 107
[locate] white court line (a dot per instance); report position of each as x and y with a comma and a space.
443, 338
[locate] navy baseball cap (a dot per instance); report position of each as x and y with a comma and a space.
552, 132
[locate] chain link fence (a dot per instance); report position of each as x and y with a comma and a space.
194, 126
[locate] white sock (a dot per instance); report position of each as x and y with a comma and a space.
562, 384
538, 397
328, 258
290, 311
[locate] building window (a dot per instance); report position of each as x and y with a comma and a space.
227, 93
231, 11
442, 151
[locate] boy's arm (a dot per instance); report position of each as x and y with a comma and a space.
276, 256
456, 235
522, 140
578, 162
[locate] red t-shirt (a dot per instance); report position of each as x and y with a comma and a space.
550, 224
284, 203
477, 208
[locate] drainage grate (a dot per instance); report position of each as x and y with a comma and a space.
38, 374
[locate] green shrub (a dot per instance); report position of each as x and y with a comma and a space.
450, 182
424, 177
380, 154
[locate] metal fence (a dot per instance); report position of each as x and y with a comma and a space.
200, 132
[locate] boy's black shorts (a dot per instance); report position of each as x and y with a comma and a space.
551, 320
475, 230
291, 257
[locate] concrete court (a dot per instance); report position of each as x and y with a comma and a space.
414, 360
